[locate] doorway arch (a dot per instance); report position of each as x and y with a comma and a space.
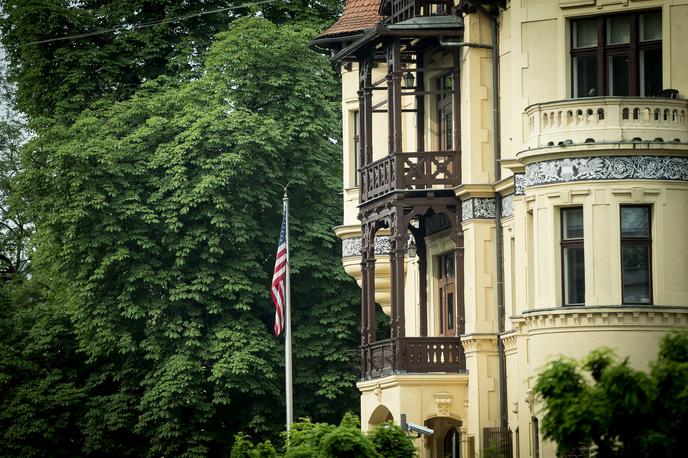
381, 414
446, 439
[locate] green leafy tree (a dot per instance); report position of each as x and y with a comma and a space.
156, 226
120, 44
15, 229
244, 448
41, 395
391, 441
623, 412
308, 439
347, 442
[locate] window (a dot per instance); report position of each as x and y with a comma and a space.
445, 112
357, 145
572, 258
447, 305
636, 253
617, 55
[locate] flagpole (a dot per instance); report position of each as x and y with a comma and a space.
287, 336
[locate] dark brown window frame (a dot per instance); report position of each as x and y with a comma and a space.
356, 139
446, 289
603, 51
445, 106
566, 244
637, 241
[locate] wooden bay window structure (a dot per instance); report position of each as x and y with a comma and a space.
412, 179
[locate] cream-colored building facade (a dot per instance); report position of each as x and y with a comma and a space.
499, 236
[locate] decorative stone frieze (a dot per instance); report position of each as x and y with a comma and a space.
478, 208
507, 206
607, 168
352, 246
519, 184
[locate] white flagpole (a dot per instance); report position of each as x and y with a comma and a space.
287, 336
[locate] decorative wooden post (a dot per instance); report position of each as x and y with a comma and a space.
456, 108
421, 250
365, 111
370, 283
420, 100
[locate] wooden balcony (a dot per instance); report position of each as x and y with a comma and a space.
401, 10
410, 172
413, 355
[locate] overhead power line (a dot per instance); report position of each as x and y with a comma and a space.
144, 25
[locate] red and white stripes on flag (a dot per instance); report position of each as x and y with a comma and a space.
279, 277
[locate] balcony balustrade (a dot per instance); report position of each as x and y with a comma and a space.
413, 355
401, 10
409, 171
597, 120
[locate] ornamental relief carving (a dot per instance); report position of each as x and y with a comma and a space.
352, 246
519, 184
443, 403
607, 168
507, 206
478, 208
466, 210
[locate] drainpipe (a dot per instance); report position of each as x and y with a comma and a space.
496, 139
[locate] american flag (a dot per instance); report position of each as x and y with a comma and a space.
278, 290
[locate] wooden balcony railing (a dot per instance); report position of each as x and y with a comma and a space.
413, 355
410, 171
401, 10
378, 178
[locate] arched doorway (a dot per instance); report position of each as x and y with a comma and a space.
451, 445
381, 414
446, 440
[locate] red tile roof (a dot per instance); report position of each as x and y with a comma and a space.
358, 15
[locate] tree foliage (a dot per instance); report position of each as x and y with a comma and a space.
156, 226
120, 44
15, 229
622, 411
307, 439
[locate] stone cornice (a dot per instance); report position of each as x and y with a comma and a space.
473, 343
505, 185
513, 164
466, 191
597, 318
354, 230
401, 380
530, 156
509, 340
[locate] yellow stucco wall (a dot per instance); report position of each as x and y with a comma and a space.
535, 69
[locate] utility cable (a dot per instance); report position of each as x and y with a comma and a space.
149, 24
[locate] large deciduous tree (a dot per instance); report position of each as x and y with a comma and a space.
68, 54
156, 225
620, 411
